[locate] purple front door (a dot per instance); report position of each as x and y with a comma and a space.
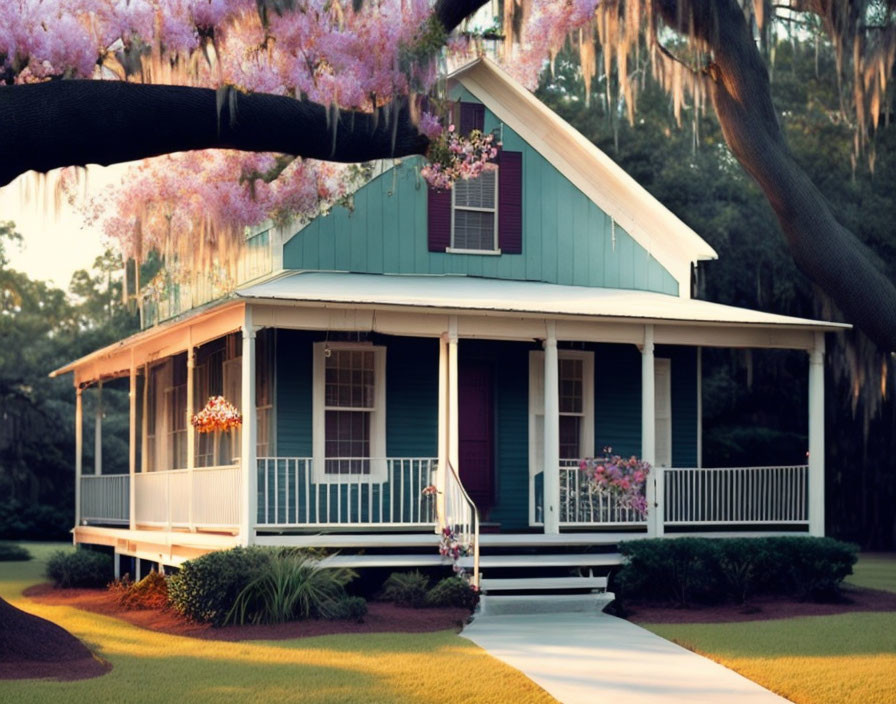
476, 433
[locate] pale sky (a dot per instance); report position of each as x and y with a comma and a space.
56, 244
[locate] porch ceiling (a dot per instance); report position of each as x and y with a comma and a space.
464, 293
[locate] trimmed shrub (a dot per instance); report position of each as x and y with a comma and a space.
348, 608
812, 568
9, 552
81, 568
452, 591
678, 570
206, 588
406, 589
26, 521
151, 592
289, 587
703, 569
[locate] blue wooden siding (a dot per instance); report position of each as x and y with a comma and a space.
567, 239
412, 397
617, 398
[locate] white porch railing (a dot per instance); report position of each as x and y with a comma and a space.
462, 517
170, 499
741, 495
105, 498
289, 496
580, 506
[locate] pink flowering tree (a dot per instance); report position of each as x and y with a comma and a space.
339, 81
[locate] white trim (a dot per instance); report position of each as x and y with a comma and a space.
699, 407
816, 436
486, 252
378, 465
494, 211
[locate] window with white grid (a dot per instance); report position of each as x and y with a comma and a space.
349, 413
572, 407
474, 213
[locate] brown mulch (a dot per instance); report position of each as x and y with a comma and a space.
380, 618
763, 609
32, 647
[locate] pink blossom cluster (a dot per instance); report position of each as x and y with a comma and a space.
453, 156
622, 479
218, 415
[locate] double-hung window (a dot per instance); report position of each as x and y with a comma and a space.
349, 439
474, 214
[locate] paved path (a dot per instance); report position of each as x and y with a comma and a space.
592, 658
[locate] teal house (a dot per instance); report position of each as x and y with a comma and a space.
430, 361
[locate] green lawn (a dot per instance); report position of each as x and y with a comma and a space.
430, 668
843, 659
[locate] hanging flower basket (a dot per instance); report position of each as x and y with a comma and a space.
218, 414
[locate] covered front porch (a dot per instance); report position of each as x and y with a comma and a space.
547, 356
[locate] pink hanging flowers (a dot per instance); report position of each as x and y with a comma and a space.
218, 414
453, 157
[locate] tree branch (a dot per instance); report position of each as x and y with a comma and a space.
829, 254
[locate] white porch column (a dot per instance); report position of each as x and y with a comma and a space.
551, 431
79, 450
98, 431
441, 472
132, 452
648, 432
453, 451
248, 463
191, 431
816, 437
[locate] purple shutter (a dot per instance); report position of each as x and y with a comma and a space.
439, 219
510, 202
472, 117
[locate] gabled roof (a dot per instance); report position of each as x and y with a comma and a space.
675, 245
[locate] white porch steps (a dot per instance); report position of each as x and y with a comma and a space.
411, 561
545, 599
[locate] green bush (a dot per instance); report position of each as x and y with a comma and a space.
348, 608
452, 591
81, 568
680, 570
205, 589
406, 589
289, 587
9, 552
702, 569
21, 521
812, 568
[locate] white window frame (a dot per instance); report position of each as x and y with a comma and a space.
378, 465
536, 412
454, 207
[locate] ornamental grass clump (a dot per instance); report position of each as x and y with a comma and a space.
151, 592
291, 587
406, 589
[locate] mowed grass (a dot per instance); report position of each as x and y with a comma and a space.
875, 571
430, 668
842, 659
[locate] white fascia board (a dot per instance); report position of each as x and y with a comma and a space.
675, 245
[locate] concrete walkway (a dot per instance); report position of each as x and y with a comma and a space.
594, 657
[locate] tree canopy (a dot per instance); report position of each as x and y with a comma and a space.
337, 82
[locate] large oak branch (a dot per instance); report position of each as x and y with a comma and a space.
64, 123
828, 253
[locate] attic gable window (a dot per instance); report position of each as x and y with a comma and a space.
474, 214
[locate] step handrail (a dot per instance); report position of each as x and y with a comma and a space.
453, 482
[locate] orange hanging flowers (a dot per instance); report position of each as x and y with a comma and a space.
218, 414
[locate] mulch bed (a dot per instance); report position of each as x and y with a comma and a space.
380, 618
855, 599
32, 647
